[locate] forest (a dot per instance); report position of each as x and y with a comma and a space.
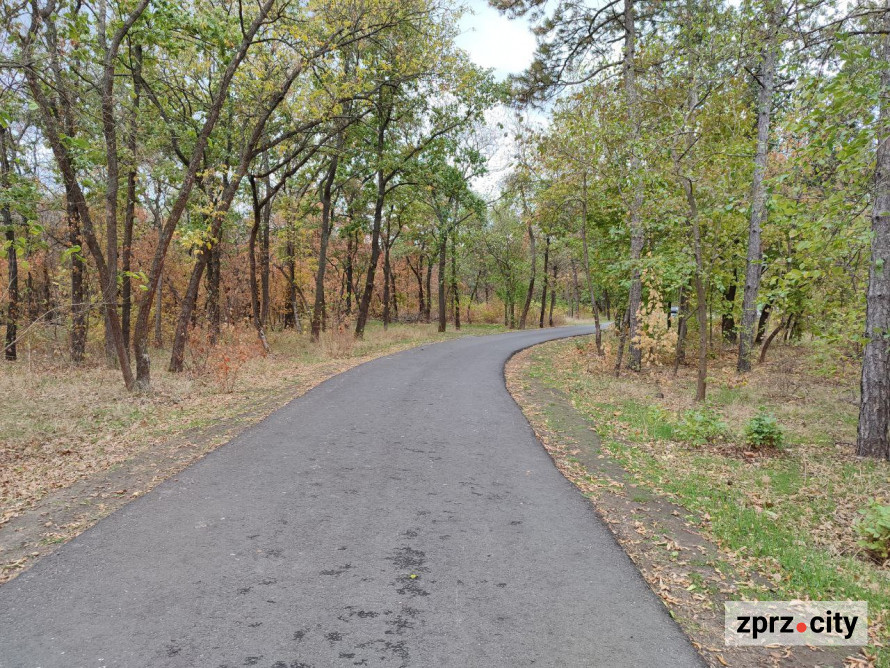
210, 206
707, 173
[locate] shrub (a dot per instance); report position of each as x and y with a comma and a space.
700, 426
763, 431
874, 530
223, 360
338, 341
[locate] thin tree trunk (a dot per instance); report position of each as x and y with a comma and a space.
701, 301
292, 317
531, 280
753, 268
78, 275
393, 293
769, 340
12, 311
318, 308
636, 194
349, 272
622, 341
682, 328
386, 286
552, 296
455, 291
159, 336
418, 274
442, 315
428, 312
762, 321
576, 313
727, 321
213, 289
874, 411
265, 260
701, 297
365, 304
594, 306
259, 213
186, 309
546, 278
130, 211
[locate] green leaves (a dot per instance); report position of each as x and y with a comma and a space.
873, 529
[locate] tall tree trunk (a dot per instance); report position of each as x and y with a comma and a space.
259, 214
213, 290
622, 341
349, 272
546, 278
12, 310
130, 210
443, 247
386, 286
393, 293
265, 260
365, 304
682, 328
762, 320
692, 216
636, 194
292, 315
318, 308
552, 295
418, 274
769, 340
700, 298
753, 268
531, 280
874, 411
727, 322
455, 291
428, 308
79, 310
186, 309
159, 334
575, 311
598, 334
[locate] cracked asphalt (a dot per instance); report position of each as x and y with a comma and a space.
400, 514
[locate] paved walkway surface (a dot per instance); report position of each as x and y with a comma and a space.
400, 514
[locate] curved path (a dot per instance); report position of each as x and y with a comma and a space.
399, 514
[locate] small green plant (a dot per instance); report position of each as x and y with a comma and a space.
763, 431
699, 426
874, 530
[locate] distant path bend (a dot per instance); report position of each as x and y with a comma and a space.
400, 514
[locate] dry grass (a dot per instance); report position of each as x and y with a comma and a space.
61, 423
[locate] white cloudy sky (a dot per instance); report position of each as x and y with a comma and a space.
494, 41
506, 46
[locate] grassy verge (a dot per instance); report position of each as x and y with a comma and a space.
786, 514
74, 445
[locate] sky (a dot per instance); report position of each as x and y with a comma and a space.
494, 41
506, 46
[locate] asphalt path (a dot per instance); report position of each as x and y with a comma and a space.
399, 514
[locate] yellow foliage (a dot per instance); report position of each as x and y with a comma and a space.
656, 342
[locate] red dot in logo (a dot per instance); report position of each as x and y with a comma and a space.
801, 627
